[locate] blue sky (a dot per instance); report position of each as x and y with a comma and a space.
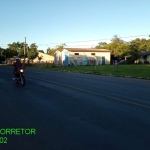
52, 22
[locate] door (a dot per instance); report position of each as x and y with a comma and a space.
103, 60
84, 60
66, 60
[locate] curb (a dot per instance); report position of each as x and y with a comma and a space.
111, 75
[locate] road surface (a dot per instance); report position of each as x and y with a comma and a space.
72, 111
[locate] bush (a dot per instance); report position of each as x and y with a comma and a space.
146, 62
130, 61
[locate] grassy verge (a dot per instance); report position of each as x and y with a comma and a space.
135, 71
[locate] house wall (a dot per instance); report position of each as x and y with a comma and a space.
82, 58
142, 59
58, 57
65, 57
99, 55
148, 58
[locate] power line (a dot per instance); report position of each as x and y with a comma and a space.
48, 44
100, 39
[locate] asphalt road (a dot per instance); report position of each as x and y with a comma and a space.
72, 111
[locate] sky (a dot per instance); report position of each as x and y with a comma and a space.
77, 23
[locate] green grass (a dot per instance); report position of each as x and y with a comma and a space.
135, 71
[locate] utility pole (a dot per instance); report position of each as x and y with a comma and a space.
24, 49
27, 48
5, 59
27, 55
1, 56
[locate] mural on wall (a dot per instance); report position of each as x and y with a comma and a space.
84, 60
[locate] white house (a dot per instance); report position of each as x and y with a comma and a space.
144, 56
82, 56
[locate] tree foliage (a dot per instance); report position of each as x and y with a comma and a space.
32, 51
48, 50
21, 50
41, 51
53, 50
120, 48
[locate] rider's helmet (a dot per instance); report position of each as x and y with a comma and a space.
17, 59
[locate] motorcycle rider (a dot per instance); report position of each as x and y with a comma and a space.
17, 65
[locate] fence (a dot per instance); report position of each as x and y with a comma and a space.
39, 63
31, 62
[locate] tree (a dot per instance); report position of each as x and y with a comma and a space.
60, 47
10, 53
53, 50
116, 39
33, 46
32, 54
144, 45
14, 46
122, 50
32, 51
1, 54
17, 48
21, 50
117, 46
134, 49
41, 51
148, 45
101, 45
117, 49
39, 58
7, 53
48, 50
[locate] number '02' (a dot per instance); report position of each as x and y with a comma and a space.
3, 140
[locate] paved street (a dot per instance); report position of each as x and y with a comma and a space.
72, 111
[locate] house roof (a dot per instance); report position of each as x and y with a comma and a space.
85, 50
144, 53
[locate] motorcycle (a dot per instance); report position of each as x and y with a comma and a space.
20, 76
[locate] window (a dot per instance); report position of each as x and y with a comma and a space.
92, 53
76, 53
